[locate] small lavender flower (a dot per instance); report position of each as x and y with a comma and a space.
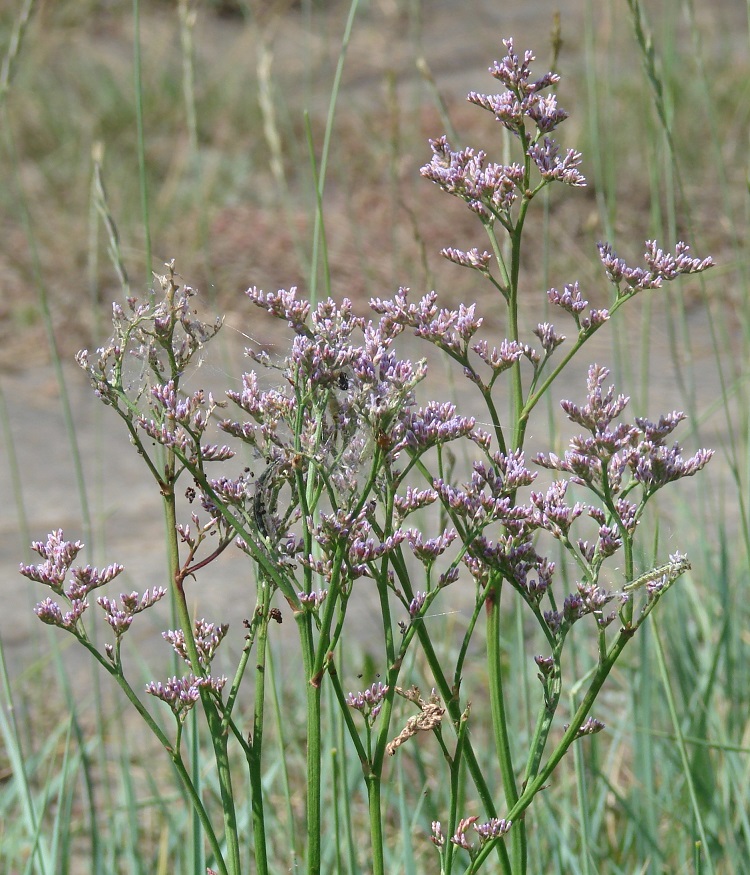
363, 550
58, 555
499, 358
234, 492
488, 189
49, 612
322, 567
427, 550
494, 485
535, 588
437, 423
662, 266
84, 580
570, 299
369, 702
450, 330
417, 603
461, 502
554, 621
120, 618
670, 266
515, 74
601, 407
472, 258
313, 599
657, 431
449, 576
367, 698
180, 421
573, 608
284, 305
552, 167
549, 338
608, 542
459, 837
492, 829
523, 97
207, 637
413, 500
437, 837
654, 465
614, 448
595, 319
506, 107
546, 114
182, 693
555, 515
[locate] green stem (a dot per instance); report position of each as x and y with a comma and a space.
516, 235
172, 749
256, 773
544, 720
213, 718
320, 176
538, 783
376, 823
313, 690
687, 766
500, 720
140, 134
450, 695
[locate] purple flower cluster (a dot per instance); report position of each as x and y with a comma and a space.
492, 829
473, 258
601, 459
120, 618
369, 702
59, 555
350, 395
449, 330
345, 454
313, 599
163, 336
553, 168
207, 637
428, 549
182, 693
662, 266
180, 422
491, 190
571, 300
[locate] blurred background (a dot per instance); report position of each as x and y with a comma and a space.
196, 131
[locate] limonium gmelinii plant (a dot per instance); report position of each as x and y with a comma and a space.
356, 488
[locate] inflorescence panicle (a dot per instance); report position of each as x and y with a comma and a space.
351, 477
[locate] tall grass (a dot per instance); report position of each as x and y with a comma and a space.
225, 183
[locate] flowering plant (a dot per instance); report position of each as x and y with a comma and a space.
350, 461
